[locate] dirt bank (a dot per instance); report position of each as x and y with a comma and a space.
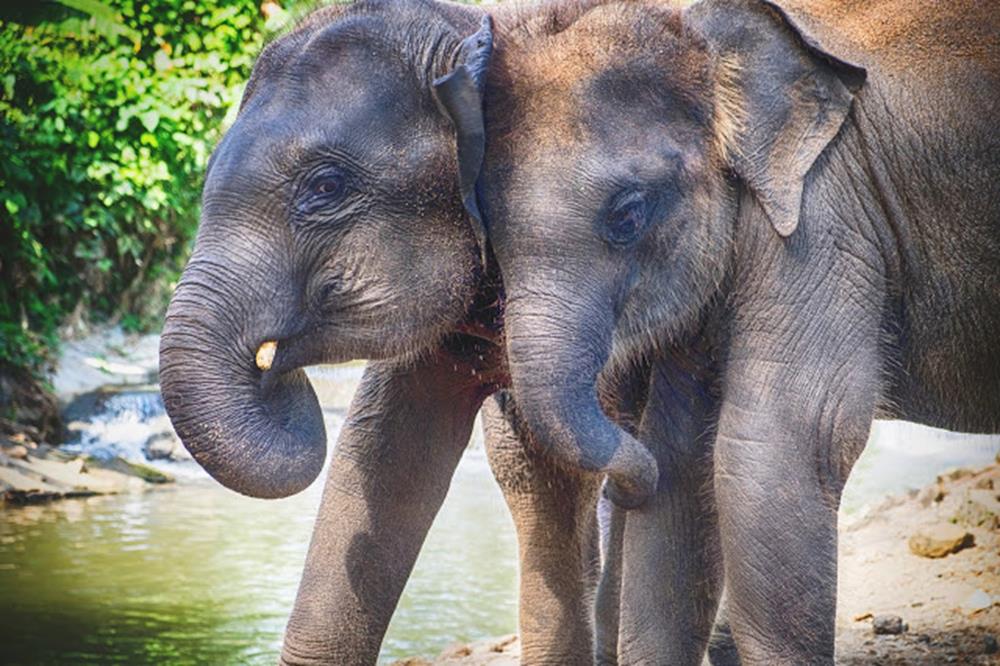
947, 608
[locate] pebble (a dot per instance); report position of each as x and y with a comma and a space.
940, 540
18, 452
888, 625
990, 644
977, 601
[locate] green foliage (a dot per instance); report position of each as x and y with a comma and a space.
108, 112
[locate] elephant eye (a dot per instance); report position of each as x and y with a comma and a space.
626, 220
326, 186
321, 189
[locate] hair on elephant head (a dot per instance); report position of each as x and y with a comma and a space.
330, 230
627, 136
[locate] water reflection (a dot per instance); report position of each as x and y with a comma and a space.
197, 574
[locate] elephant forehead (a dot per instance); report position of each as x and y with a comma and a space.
611, 65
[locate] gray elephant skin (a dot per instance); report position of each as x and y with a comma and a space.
338, 223
793, 213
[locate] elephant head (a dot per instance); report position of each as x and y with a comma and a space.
619, 150
332, 228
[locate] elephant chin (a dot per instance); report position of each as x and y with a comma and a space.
262, 441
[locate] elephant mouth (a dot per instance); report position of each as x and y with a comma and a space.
276, 356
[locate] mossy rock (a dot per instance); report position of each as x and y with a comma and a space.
144, 472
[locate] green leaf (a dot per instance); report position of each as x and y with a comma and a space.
161, 61
96, 202
105, 19
149, 119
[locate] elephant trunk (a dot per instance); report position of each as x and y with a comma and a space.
258, 432
557, 346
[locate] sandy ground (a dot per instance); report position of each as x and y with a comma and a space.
950, 605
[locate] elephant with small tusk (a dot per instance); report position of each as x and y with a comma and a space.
340, 221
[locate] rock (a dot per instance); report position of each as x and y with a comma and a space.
977, 601
979, 508
503, 651
138, 470
107, 356
504, 644
18, 452
990, 644
940, 540
954, 474
28, 405
931, 495
456, 652
165, 446
47, 474
21, 488
888, 625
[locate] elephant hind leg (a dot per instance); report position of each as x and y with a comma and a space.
607, 607
554, 514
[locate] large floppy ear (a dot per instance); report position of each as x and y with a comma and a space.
460, 95
793, 96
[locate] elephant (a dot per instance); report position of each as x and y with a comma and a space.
340, 221
792, 213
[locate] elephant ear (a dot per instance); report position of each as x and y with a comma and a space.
460, 96
792, 94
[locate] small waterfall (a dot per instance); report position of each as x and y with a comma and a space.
130, 422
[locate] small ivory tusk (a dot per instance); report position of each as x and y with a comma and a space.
265, 354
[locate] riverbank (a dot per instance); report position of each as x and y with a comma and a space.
35, 463
897, 604
32, 473
100, 427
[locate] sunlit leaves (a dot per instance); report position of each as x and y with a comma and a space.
108, 113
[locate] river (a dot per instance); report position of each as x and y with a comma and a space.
196, 574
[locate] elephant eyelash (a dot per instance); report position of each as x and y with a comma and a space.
625, 218
323, 188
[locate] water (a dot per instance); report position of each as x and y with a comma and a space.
198, 574
118, 422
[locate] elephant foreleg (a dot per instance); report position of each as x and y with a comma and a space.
672, 568
782, 456
721, 646
390, 471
